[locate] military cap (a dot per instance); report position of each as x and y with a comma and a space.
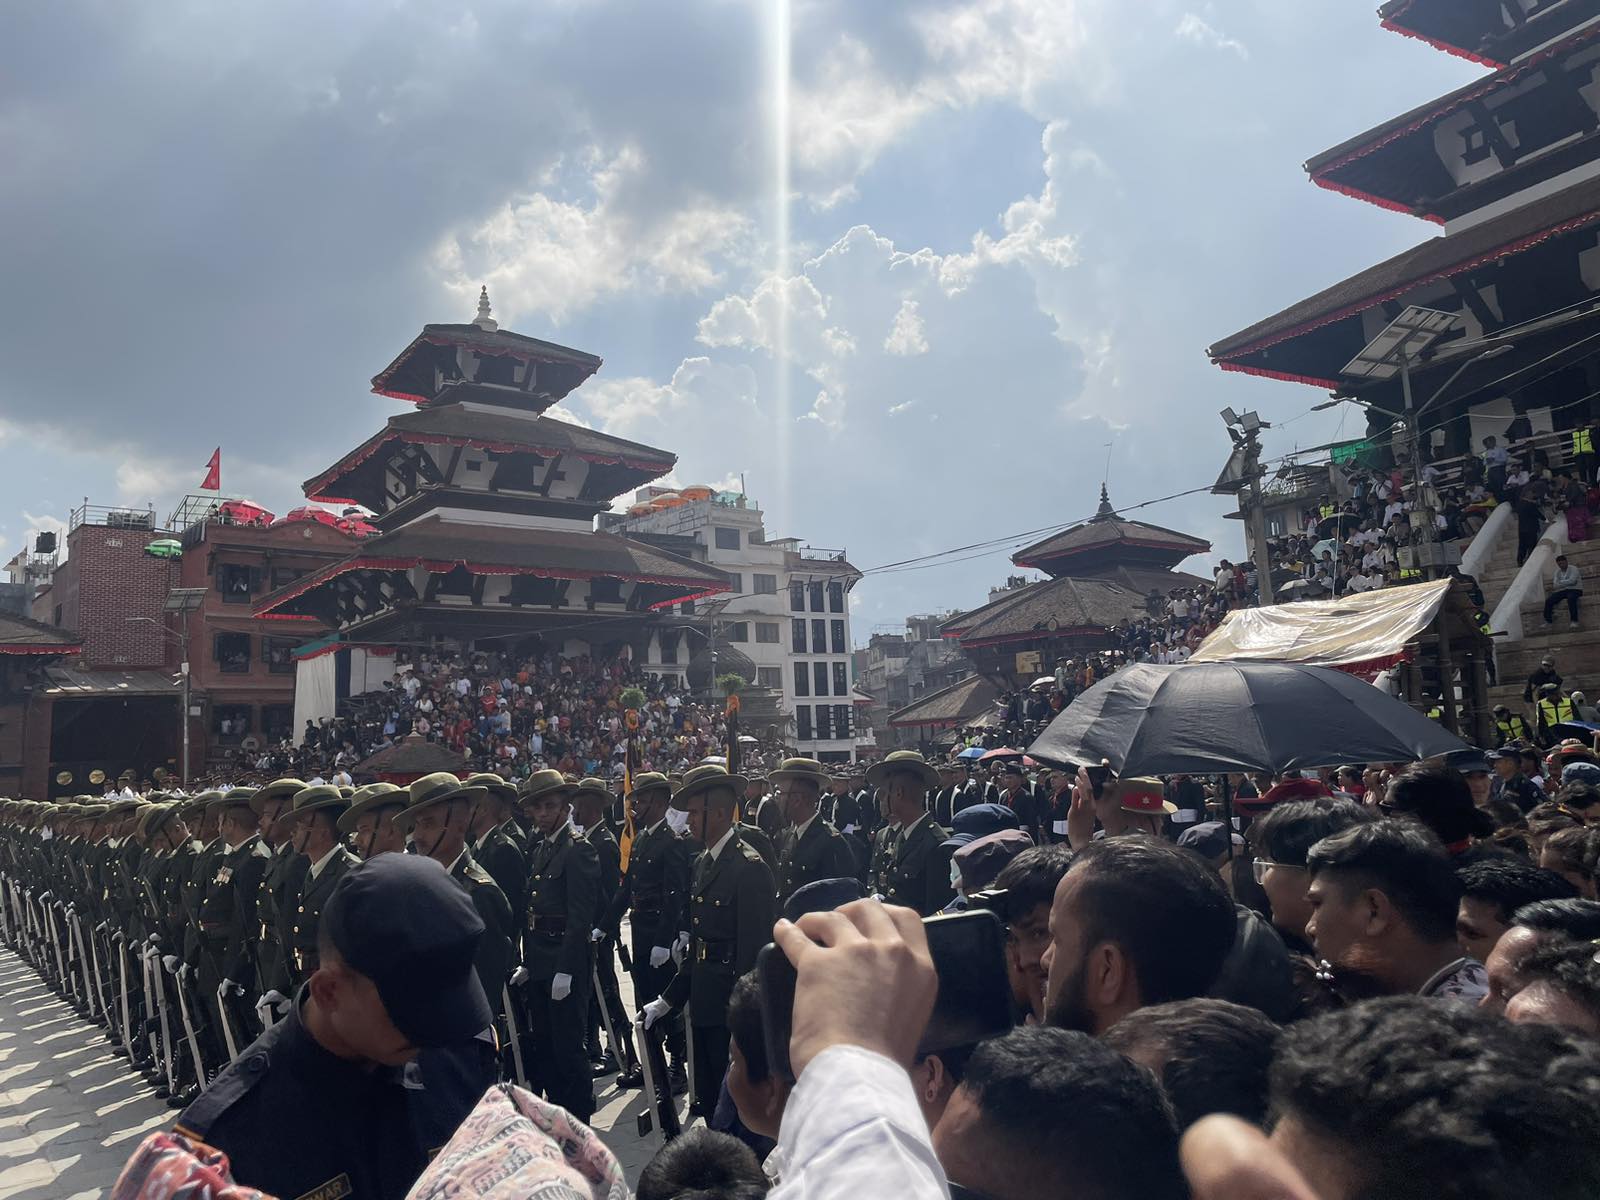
902, 762
647, 781
496, 785
1143, 794
367, 799
310, 800
441, 787
542, 783
93, 812
595, 786
123, 806
155, 818
277, 789
822, 895
238, 797
702, 779
808, 769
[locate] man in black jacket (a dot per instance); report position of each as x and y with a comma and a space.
589, 806
809, 848
917, 867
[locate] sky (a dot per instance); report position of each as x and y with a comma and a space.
923, 274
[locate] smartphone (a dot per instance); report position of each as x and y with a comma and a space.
1098, 777
974, 1000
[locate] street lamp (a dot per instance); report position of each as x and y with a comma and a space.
182, 601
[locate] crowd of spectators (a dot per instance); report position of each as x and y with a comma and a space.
512, 714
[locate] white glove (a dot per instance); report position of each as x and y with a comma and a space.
519, 977
681, 946
597, 935
273, 999
154, 939
561, 986
170, 962
184, 971
654, 1011
659, 956
230, 988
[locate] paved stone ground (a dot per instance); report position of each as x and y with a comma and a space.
71, 1112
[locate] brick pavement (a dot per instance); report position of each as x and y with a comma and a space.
71, 1111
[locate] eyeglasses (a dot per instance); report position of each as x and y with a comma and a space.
1261, 866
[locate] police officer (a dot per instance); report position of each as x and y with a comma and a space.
1552, 710
656, 888
731, 912
436, 815
917, 868
563, 900
369, 821
1508, 726
589, 807
809, 848
318, 1106
313, 826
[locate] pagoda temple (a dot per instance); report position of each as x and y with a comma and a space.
1509, 167
1104, 572
486, 506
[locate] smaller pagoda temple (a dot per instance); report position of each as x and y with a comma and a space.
485, 507
1103, 572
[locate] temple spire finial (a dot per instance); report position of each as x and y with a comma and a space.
1105, 509
484, 320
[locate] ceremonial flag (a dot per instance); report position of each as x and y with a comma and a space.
213, 479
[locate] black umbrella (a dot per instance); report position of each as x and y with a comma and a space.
1203, 718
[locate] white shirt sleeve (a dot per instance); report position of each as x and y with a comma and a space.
852, 1130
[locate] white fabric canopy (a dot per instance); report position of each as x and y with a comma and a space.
315, 693
1327, 633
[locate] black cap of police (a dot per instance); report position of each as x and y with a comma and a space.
400, 920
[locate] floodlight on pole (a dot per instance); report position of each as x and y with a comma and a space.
1229, 417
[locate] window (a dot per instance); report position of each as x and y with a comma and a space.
841, 685
767, 632
816, 596
236, 582
819, 637
277, 721
841, 720
230, 720
798, 628
738, 631
770, 677
802, 680
687, 608
819, 675
669, 648
836, 597
802, 722
836, 628
232, 652
735, 581
824, 722
1474, 145
764, 585
725, 539
797, 597
278, 653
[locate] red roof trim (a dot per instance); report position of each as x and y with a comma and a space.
373, 444
1393, 26
464, 340
439, 566
35, 648
1501, 251
1356, 193
1286, 376
1500, 79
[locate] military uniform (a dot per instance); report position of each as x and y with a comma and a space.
818, 851
732, 907
917, 873
495, 952
563, 901
280, 884
315, 889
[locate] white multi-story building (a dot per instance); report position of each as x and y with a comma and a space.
789, 613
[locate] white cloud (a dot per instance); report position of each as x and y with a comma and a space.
905, 336
540, 254
699, 386
1196, 29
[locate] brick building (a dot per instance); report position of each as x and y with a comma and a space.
106, 579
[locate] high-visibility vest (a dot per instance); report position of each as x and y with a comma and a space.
1511, 729
1581, 442
1555, 712
1327, 510
1436, 713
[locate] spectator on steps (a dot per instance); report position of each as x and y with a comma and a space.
1566, 583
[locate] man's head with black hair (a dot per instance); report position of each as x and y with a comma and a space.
1402, 1096
1492, 889
758, 1094
1282, 838
1211, 1056
1029, 882
1384, 898
702, 1164
1561, 987
1440, 798
1544, 922
1574, 854
1044, 1113
1135, 921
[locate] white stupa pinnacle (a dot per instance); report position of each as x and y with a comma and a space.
484, 320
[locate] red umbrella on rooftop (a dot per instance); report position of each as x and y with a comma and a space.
309, 513
244, 512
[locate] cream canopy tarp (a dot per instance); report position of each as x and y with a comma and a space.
1329, 633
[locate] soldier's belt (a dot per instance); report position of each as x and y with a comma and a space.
555, 926
647, 914
716, 953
